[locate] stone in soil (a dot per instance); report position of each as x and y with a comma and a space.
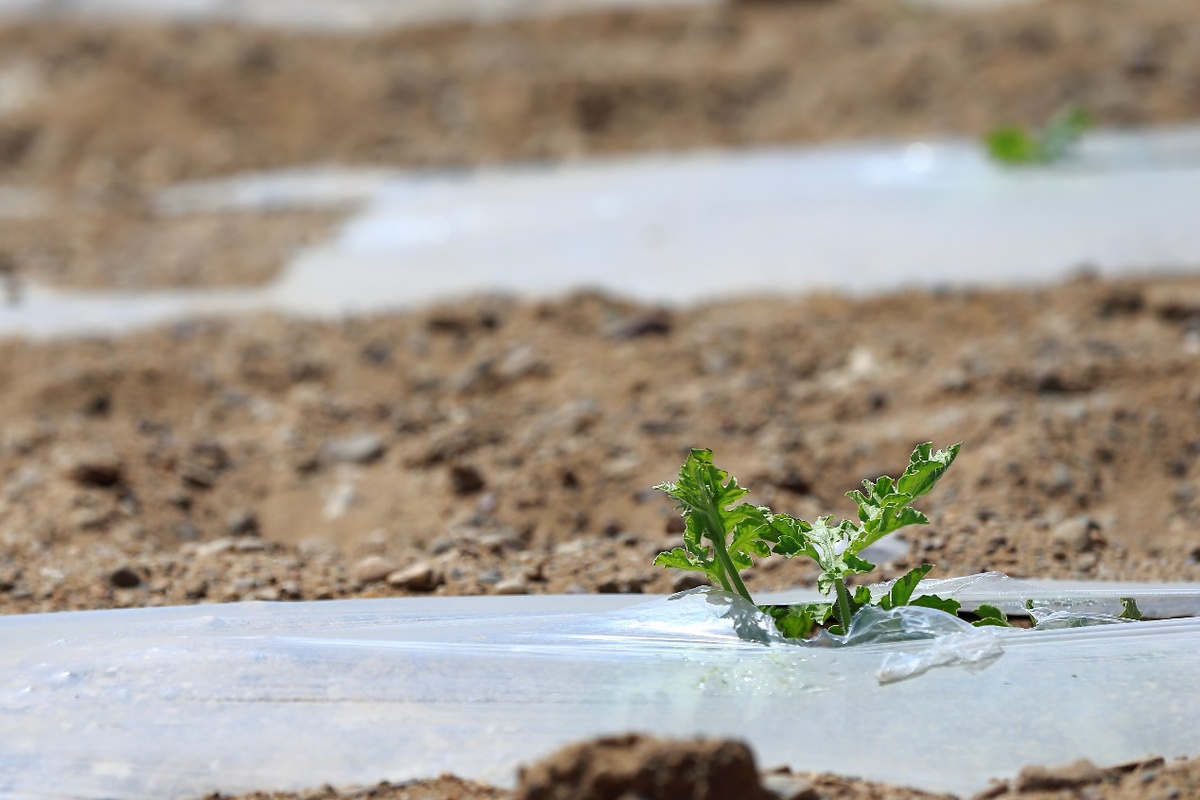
360, 448
419, 577
373, 569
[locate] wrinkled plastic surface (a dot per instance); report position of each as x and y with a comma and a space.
690, 228
947, 641
182, 701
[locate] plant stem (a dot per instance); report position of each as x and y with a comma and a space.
721, 576
717, 537
843, 605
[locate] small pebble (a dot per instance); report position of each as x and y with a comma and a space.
646, 323
418, 577
373, 569
215, 547
1074, 535
499, 542
362, 448
439, 546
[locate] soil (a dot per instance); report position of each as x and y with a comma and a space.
500, 445
505, 445
618, 768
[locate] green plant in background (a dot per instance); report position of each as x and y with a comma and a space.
1018, 146
1129, 609
720, 539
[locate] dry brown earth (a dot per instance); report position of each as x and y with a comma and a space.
501, 445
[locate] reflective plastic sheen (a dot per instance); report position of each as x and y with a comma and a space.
179, 702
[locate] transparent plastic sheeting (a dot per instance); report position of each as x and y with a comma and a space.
689, 228
1011, 595
331, 15
178, 702
364, 15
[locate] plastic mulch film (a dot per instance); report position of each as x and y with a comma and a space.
665, 228
318, 15
185, 701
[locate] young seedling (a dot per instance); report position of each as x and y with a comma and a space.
720, 539
1017, 146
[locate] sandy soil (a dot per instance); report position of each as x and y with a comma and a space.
498, 445
510, 445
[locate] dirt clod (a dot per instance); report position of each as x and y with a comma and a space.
98, 468
1049, 779
125, 578
466, 479
638, 766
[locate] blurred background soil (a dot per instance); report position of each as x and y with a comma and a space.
502, 445
99, 116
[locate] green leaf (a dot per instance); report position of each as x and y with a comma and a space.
893, 517
884, 507
751, 537
702, 487
682, 558
933, 601
1016, 146
704, 493
798, 621
1129, 609
925, 469
990, 615
902, 589
677, 558
1012, 145
792, 536
857, 565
